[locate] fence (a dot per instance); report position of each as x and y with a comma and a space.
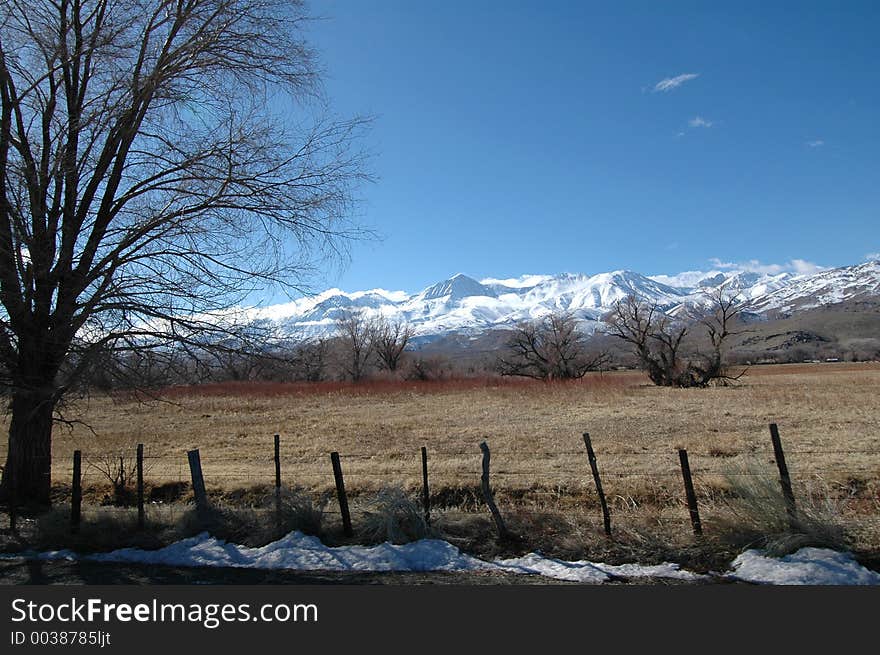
582, 479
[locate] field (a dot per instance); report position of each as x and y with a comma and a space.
828, 417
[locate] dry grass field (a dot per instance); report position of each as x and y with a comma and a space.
828, 416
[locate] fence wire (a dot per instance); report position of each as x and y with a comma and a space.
534, 479
549, 465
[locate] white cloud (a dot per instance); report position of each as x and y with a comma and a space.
796, 266
752, 265
699, 121
872, 257
818, 143
671, 83
803, 267
517, 282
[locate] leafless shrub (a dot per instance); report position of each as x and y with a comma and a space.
118, 466
428, 369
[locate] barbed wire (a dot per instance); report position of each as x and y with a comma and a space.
476, 454
526, 473
226, 472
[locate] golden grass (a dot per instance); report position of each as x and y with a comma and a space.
828, 416
829, 420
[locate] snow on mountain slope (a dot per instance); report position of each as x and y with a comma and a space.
824, 288
465, 305
457, 287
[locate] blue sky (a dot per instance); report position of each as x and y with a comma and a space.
540, 137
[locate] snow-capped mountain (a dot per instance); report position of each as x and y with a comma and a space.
824, 288
462, 304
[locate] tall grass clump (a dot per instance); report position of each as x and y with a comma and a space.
298, 511
392, 515
260, 522
755, 514
101, 529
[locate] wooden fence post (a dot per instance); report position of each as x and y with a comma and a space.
278, 481
198, 482
340, 492
76, 492
784, 478
606, 516
487, 494
426, 496
689, 492
140, 485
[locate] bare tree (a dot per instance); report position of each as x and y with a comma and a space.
658, 340
551, 348
109, 370
152, 173
357, 337
239, 365
237, 357
390, 340
310, 359
719, 317
429, 369
655, 337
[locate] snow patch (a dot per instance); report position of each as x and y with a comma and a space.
808, 566
304, 553
535, 564
296, 551
592, 572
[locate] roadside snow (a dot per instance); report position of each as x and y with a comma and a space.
592, 572
534, 564
300, 552
808, 566
296, 551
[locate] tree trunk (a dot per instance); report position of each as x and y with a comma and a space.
27, 475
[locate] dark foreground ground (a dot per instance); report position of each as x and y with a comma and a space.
21, 571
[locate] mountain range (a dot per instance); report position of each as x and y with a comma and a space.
462, 305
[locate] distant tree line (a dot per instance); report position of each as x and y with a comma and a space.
688, 349
359, 348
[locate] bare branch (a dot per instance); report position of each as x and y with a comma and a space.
657, 339
552, 348
390, 340
159, 161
